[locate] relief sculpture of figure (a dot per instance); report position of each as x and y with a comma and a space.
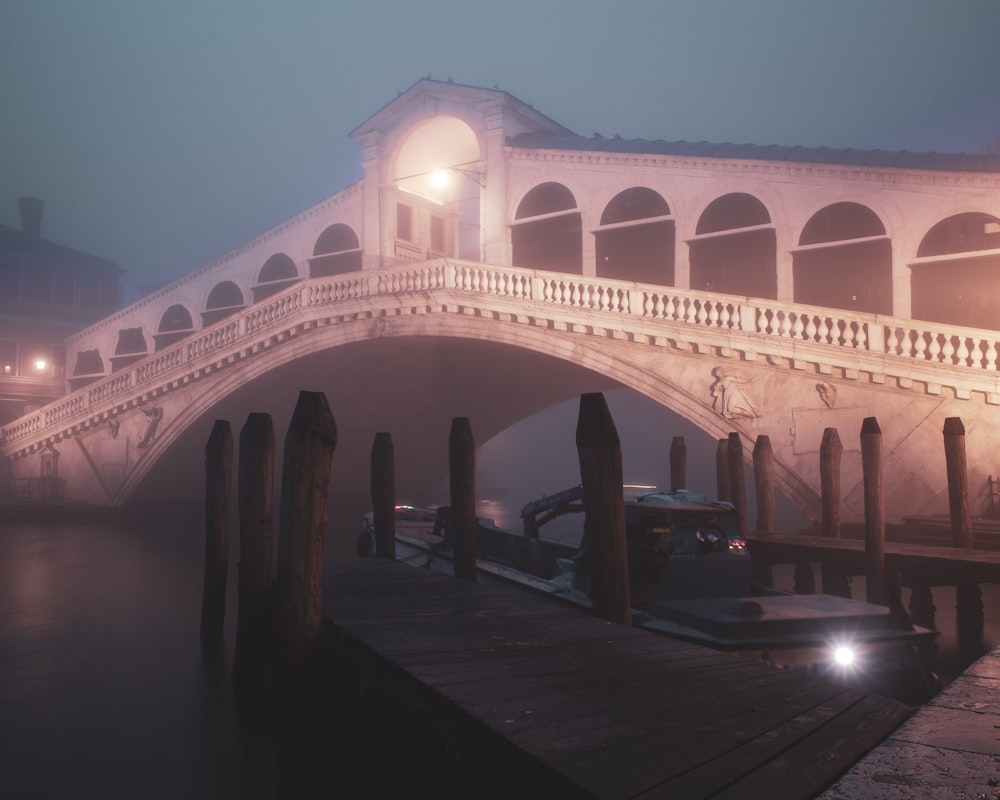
731, 399
153, 417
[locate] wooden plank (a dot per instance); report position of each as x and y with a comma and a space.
555, 698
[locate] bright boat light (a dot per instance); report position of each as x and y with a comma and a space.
844, 655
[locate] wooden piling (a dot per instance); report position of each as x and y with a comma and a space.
831, 450
255, 498
307, 464
968, 596
723, 490
218, 479
871, 466
763, 479
462, 478
958, 482
600, 454
678, 464
383, 491
737, 481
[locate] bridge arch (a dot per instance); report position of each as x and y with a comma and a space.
175, 323
734, 249
844, 259
337, 251
955, 277
547, 229
636, 239
278, 272
223, 299
677, 383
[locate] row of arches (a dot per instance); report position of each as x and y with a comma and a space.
842, 258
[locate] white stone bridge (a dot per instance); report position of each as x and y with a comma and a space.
491, 263
407, 349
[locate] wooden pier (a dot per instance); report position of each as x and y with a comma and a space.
547, 701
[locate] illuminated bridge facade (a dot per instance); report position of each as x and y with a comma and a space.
492, 262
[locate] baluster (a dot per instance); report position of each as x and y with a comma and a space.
713, 315
929, 347
797, 326
962, 351
989, 354
810, 328
702, 314
947, 350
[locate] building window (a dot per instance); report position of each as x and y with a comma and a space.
404, 222
437, 234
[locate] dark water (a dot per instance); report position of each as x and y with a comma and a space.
104, 688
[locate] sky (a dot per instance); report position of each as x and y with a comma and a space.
162, 135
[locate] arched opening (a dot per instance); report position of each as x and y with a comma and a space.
735, 248
437, 177
844, 260
175, 324
224, 299
337, 250
956, 279
89, 367
278, 272
131, 347
547, 232
636, 239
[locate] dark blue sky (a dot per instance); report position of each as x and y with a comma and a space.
161, 135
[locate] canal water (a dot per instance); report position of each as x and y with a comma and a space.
104, 688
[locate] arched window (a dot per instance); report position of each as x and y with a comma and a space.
131, 347
224, 299
337, 251
278, 273
548, 232
636, 239
956, 279
175, 323
735, 248
89, 367
844, 260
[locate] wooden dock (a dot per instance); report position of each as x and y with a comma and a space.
551, 702
944, 564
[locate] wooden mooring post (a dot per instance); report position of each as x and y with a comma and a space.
737, 481
462, 479
968, 596
600, 455
871, 466
218, 480
383, 491
305, 485
255, 499
831, 450
723, 491
763, 481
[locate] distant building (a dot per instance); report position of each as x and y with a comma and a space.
47, 292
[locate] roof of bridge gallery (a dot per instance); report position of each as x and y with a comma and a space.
845, 156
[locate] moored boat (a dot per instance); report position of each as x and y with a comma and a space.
690, 576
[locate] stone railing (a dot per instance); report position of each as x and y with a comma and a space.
840, 338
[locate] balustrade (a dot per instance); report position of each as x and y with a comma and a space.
918, 341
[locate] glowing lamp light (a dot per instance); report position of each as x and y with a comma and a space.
440, 178
41, 364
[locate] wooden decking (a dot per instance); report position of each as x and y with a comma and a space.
942, 563
556, 703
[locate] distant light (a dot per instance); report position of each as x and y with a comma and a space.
440, 179
41, 364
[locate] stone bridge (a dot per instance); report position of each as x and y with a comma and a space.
406, 349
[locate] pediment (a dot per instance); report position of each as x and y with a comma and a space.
480, 108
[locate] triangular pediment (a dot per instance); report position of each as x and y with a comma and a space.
480, 108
